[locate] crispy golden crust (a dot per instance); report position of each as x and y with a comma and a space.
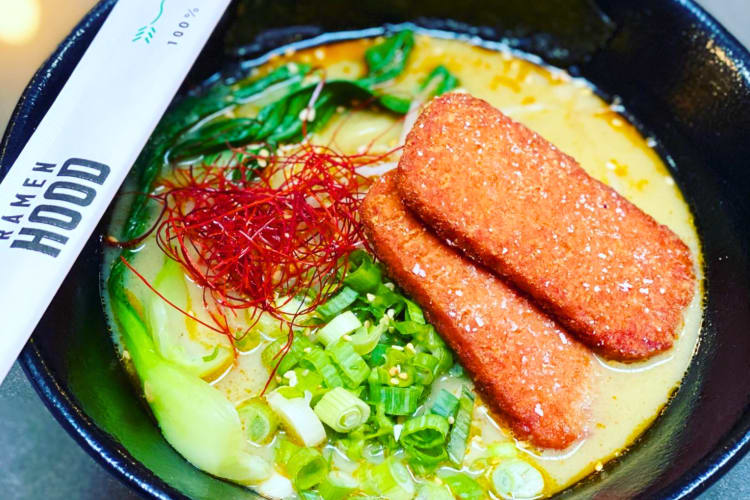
525, 365
508, 198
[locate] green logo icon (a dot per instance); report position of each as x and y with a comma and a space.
147, 32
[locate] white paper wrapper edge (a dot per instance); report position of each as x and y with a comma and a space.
67, 174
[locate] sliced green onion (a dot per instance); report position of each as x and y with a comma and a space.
414, 312
445, 360
343, 299
460, 431
431, 491
380, 424
342, 410
385, 298
339, 326
445, 404
377, 356
423, 438
366, 277
413, 329
425, 431
272, 353
515, 478
306, 380
307, 468
396, 355
427, 337
258, 420
396, 400
337, 486
353, 368
284, 450
425, 367
391, 480
463, 486
365, 338
298, 418
320, 361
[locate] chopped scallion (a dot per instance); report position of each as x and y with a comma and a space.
284, 450
342, 410
307, 468
353, 368
396, 400
258, 420
460, 431
463, 486
445, 404
426, 366
414, 312
272, 353
366, 338
339, 326
320, 361
298, 418
336, 304
337, 486
366, 277
391, 480
423, 438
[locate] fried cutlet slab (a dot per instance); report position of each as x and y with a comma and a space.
511, 200
527, 368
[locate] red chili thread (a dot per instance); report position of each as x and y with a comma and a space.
257, 244
247, 242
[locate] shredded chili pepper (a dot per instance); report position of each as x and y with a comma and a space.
257, 239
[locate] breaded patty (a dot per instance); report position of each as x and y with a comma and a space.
511, 200
527, 368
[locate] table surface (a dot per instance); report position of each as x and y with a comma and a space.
38, 459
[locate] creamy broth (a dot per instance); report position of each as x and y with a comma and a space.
568, 113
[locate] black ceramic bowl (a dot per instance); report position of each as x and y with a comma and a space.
680, 75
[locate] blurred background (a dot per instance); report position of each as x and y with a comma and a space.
38, 460
29, 32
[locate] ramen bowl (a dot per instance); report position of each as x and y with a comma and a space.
683, 80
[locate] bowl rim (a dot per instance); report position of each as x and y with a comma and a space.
114, 457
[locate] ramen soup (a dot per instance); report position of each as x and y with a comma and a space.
272, 347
